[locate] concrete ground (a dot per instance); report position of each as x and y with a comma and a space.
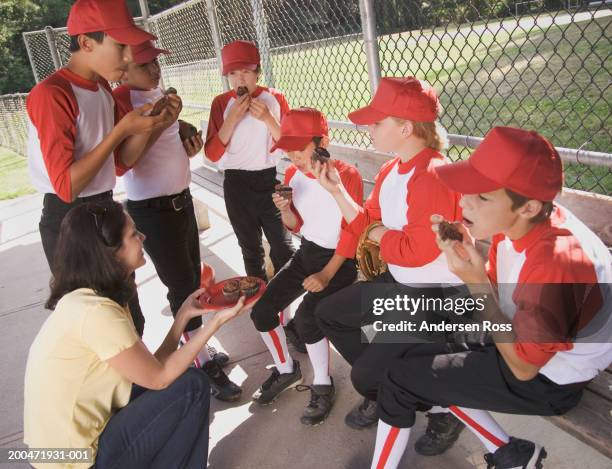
242, 435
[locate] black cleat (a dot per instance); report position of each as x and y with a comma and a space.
518, 454
221, 387
220, 357
293, 337
321, 402
363, 415
277, 383
442, 431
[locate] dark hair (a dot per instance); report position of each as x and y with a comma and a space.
317, 141
90, 236
519, 200
97, 36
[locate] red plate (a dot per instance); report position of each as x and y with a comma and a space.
215, 300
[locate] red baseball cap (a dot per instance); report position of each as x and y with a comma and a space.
109, 16
238, 55
516, 159
298, 127
405, 98
146, 52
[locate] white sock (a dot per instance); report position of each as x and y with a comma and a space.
319, 358
276, 341
438, 410
203, 356
285, 316
483, 425
391, 443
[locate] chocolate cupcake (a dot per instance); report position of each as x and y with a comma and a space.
231, 291
159, 106
321, 155
170, 90
249, 286
186, 130
449, 231
242, 90
286, 192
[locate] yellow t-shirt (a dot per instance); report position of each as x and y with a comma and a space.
70, 391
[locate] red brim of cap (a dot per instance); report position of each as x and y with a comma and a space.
292, 143
131, 35
238, 66
463, 178
366, 115
148, 55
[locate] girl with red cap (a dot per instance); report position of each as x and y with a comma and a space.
244, 123
160, 204
401, 119
321, 266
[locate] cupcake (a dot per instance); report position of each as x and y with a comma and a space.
231, 291
449, 231
321, 155
159, 106
248, 286
242, 90
170, 90
186, 130
286, 192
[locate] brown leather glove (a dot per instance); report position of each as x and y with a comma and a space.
368, 255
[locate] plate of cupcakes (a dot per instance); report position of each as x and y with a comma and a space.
225, 294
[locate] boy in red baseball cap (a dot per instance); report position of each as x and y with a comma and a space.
402, 118
322, 265
161, 206
244, 123
547, 281
72, 130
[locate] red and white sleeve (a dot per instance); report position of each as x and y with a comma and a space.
415, 244
53, 110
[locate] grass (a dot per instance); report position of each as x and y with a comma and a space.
14, 178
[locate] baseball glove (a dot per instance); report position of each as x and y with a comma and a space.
368, 255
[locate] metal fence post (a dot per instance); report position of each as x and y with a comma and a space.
263, 41
30, 57
215, 32
368, 27
145, 14
50, 33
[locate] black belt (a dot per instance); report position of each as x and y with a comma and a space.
176, 202
97, 197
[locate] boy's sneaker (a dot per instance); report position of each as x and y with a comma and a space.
442, 431
518, 454
221, 358
277, 383
321, 402
363, 415
293, 337
221, 386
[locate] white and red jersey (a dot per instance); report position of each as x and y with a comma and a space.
68, 116
318, 215
554, 284
164, 168
404, 197
249, 146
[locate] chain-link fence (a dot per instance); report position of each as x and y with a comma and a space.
539, 64
13, 122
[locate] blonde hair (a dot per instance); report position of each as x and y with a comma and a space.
434, 135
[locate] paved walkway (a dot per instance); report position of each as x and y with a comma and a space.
242, 435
